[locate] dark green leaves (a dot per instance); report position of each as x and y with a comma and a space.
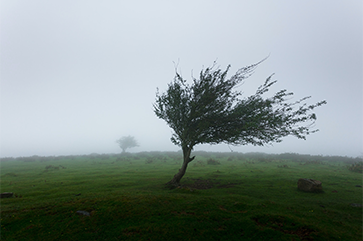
209, 111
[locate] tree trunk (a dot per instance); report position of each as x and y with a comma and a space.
175, 182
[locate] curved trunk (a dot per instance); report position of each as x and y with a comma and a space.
175, 182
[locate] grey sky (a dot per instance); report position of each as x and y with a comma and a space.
78, 75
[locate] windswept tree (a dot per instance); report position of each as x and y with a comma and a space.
127, 142
210, 110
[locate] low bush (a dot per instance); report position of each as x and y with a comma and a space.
356, 167
51, 167
283, 166
149, 160
213, 162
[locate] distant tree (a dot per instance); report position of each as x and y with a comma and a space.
209, 111
127, 142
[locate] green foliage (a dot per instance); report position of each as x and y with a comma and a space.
127, 142
213, 162
356, 167
210, 111
150, 160
51, 167
283, 166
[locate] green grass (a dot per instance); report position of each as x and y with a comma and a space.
248, 197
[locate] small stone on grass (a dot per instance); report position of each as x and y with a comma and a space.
85, 213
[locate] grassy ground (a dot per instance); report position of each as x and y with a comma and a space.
241, 198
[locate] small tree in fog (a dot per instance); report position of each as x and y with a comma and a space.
209, 111
127, 142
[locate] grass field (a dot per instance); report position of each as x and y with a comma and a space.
224, 196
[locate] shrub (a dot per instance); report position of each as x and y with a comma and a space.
283, 166
51, 167
213, 162
199, 163
149, 160
356, 167
122, 159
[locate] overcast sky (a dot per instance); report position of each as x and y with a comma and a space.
78, 75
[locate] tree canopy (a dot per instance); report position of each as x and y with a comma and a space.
211, 110
127, 142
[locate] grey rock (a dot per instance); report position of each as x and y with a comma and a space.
6, 194
85, 213
357, 205
309, 185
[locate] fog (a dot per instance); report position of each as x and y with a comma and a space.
78, 75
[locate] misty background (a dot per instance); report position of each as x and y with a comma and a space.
78, 75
